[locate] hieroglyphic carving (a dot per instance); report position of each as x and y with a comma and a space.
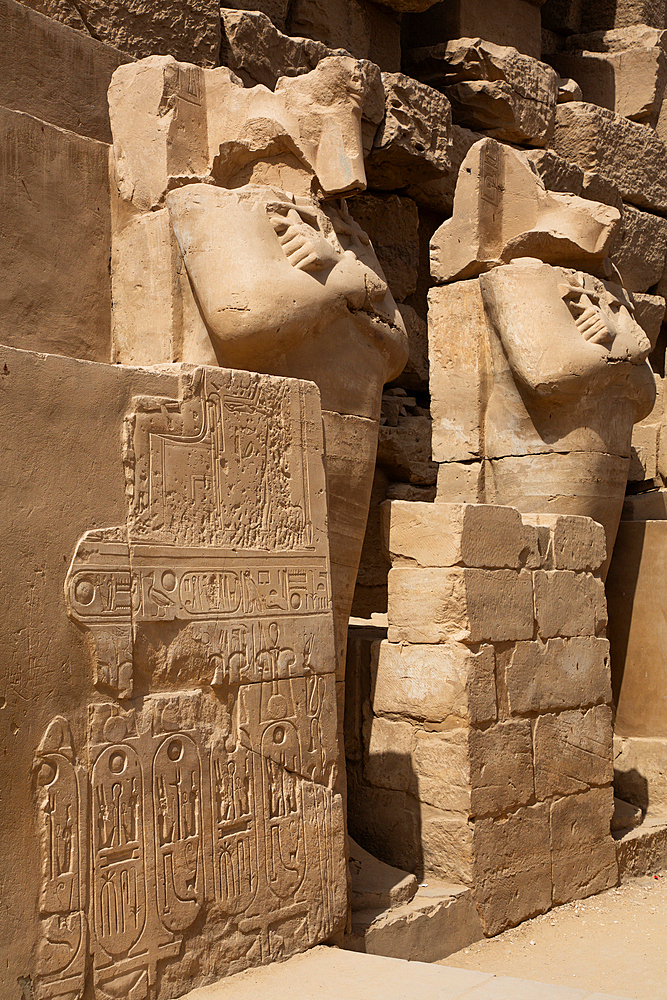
217, 800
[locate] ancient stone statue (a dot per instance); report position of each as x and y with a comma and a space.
553, 375
233, 246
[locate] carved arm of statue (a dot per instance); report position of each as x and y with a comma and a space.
563, 331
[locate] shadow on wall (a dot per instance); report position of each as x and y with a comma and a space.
384, 814
631, 786
621, 586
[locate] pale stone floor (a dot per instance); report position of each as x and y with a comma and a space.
612, 943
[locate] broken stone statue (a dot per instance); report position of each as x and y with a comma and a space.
538, 368
233, 246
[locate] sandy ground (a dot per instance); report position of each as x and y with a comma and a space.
613, 943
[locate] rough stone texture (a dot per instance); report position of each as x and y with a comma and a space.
573, 752
492, 88
446, 683
56, 239
415, 374
392, 223
512, 867
504, 22
625, 152
54, 74
639, 249
556, 674
555, 172
367, 31
640, 773
456, 534
438, 195
624, 71
569, 604
562, 16
412, 143
501, 768
388, 762
147, 712
650, 314
597, 15
189, 31
404, 441
471, 605
275, 10
460, 482
576, 543
582, 852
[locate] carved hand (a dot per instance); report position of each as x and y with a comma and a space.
304, 247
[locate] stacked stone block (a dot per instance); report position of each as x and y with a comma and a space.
488, 733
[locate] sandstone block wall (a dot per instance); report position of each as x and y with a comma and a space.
482, 752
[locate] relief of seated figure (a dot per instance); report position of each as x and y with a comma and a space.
561, 375
233, 246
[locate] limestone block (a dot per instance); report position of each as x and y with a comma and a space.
480, 536
392, 223
504, 22
385, 820
492, 88
55, 74
411, 492
438, 195
275, 10
644, 454
562, 15
512, 867
444, 683
625, 152
54, 254
189, 31
582, 852
639, 248
650, 314
624, 71
442, 770
404, 448
569, 604
648, 506
415, 374
637, 629
573, 751
640, 773
460, 482
555, 172
606, 14
556, 674
464, 605
598, 188
388, 762
446, 841
576, 543
557, 228
220, 639
501, 768
457, 329
412, 143
367, 31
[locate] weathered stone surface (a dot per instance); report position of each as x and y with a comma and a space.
442, 777
96, 734
568, 90
388, 762
569, 604
556, 674
562, 16
624, 71
468, 605
367, 31
444, 683
275, 10
501, 768
556, 173
55, 74
492, 88
404, 441
644, 454
385, 820
625, 152
460, 482
374, 885
573, 751
480, 536
640, 773
512, 867
650, 314
415, 374
189, 31
447, 844
457, 327
439, 194
639, 248
582, 852
392, 223
56, 240
597, 15
576, 543
557, 228
636, 628
412, 143
504, 22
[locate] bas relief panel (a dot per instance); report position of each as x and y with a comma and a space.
201, 801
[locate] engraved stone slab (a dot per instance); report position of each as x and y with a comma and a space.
174, 759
